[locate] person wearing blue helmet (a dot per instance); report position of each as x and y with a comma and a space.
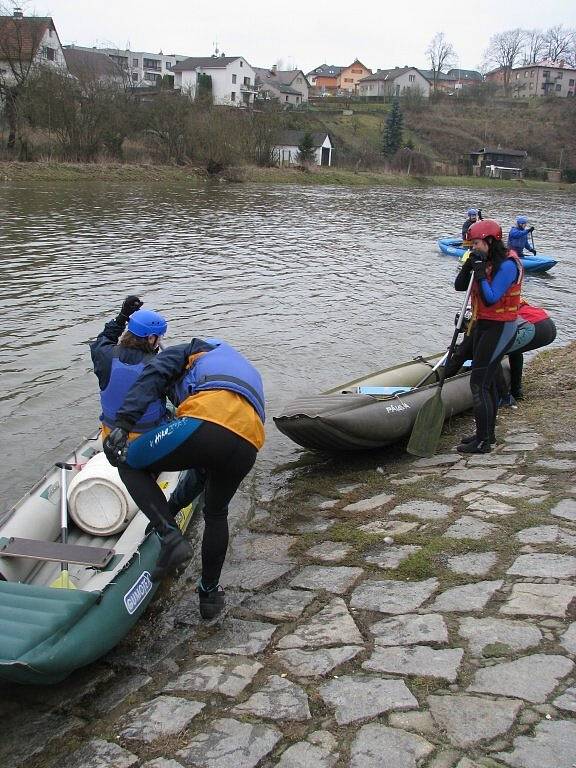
518, 237
119, 354
473, 215
218, 428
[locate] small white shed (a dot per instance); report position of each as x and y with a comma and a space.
287, 147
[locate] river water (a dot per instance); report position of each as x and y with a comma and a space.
314, 284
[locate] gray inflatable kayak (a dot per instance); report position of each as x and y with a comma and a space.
373, 411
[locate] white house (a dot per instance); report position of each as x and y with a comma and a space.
27, 42
288, 87
394, 82
288, 142
233, 79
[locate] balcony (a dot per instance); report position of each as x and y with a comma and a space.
248, 88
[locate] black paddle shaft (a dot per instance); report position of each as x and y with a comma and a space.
457, 330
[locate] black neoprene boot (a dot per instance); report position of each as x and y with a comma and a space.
473, 438
211, 601
475, 446
174, 552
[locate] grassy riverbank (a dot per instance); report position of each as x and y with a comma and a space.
116, 172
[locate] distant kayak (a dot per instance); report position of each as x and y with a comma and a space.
452, 246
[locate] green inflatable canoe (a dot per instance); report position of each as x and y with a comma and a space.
46, 632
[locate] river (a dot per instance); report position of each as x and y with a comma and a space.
314, 284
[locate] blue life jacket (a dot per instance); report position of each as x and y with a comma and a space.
518, 240
122, 376
223, 368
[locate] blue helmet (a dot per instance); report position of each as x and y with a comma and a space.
472, 212
145, 322
521, 220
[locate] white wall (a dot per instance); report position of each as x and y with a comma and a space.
224, 89
287, 154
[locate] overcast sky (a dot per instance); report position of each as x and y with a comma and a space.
301, 33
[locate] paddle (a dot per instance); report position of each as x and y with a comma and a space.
430, 418
532, 241
63, 581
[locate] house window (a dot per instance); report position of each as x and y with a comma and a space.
134, 62
517, 75
241, 62
246, 81
531, 73
559, 75
134, 77
297, 99
531, 86
411, 78
356, 71
233, 96
49, 53
546, 74
152, 64
571, 82
526, 73
348, 80
168, 65
286, 98
234, 78
558, 87
151, 77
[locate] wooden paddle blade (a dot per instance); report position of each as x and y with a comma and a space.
427, 427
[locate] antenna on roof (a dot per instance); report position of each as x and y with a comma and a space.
216, 51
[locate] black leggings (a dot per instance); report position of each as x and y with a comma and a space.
491, 339
226, 459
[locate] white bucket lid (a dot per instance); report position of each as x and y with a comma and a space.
98, 500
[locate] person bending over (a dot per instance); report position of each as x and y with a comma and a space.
219, 428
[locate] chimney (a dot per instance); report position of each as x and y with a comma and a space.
222, 55
561, 63
18, 13
274, 69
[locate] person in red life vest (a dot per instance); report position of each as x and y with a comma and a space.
219, 428
535, 329
496, 291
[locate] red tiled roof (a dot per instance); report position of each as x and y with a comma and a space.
20, 37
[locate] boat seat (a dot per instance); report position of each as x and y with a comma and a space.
97, 557
30, 615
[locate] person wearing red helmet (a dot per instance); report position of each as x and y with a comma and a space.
497, 274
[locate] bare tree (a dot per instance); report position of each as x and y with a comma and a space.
440, 54
560, 43
534, 46
504, 50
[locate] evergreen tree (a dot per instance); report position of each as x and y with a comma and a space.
392, 138
306, 149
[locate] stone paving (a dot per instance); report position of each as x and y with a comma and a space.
428, 622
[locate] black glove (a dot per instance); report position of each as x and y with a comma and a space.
534, 251
479, 215
116, 446
479, 268
476, 256
530, 229
129, 305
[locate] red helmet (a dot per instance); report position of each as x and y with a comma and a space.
480, 230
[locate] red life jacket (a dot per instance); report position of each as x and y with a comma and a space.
506, 309
532, 314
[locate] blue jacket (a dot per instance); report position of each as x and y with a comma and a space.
518, 240
117, 368
170, 372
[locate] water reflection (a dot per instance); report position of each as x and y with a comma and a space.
316, 285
